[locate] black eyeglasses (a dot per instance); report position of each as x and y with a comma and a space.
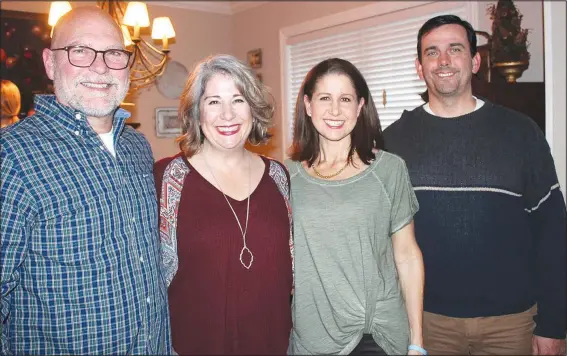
81, 56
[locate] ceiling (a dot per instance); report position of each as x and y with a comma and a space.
216, 6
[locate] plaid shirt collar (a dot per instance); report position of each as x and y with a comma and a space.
70, 118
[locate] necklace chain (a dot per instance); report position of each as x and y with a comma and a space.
243, 232
330, 175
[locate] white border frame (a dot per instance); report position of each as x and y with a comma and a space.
356, 14
554, 16
162, 131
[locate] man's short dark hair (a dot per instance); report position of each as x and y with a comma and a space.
439, 21
442, 20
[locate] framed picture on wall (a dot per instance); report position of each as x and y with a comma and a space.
254, 58
167, 122
24, 36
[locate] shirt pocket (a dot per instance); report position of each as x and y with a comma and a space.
75, 230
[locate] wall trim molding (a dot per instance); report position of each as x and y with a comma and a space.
217, 7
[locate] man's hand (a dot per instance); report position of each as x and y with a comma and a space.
546, 346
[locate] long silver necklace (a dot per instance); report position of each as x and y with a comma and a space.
243, 232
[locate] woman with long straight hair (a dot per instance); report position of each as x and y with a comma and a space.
359, 271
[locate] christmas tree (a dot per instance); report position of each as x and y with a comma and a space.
509, 40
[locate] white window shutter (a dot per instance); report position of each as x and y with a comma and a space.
384, 54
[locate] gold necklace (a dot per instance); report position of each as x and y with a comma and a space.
243, 232
330, 175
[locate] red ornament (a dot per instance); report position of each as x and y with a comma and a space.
10, 61
2, 55
36, 30
28, 54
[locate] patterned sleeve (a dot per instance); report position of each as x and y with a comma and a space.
17, 215
172, 182
280, 175
403, 201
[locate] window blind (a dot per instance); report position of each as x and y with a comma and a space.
385, 55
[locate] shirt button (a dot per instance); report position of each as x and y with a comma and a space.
142, 259
148, 300
133, 219
77, 116
77, 133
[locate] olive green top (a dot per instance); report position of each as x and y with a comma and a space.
346, 282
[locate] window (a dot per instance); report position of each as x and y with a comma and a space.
382, 47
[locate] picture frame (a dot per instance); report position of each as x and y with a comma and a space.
24, 35
167, 122
254, 58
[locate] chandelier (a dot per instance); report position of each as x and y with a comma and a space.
148, 61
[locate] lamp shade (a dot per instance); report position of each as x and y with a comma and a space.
136, 15
126, 35
162, 28
56, 10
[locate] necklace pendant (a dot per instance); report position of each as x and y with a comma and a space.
248, 253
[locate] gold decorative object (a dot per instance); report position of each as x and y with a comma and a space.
509, 41
511, 70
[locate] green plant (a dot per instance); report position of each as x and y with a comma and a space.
509, 40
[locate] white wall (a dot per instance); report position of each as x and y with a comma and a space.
555, 37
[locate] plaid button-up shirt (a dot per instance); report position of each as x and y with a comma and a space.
79, 239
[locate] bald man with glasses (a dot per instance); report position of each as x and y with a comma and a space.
79, 233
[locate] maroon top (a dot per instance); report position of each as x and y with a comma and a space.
217, 306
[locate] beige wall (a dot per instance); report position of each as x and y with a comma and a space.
259, 28
198, 35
